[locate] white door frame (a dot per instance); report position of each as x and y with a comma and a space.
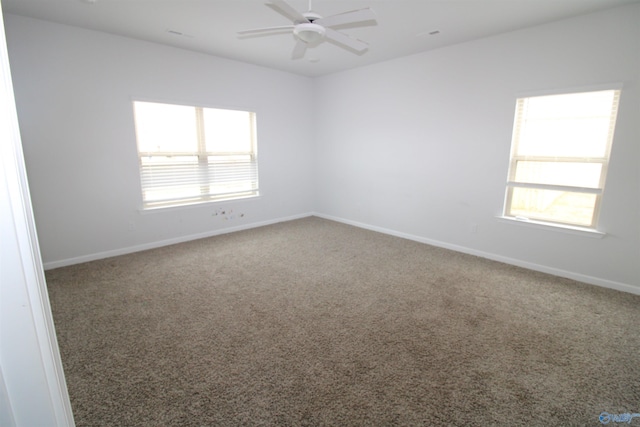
33, 389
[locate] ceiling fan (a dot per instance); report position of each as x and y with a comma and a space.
311, 29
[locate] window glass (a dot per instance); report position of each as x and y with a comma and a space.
227, 130
165, 128
190, 154
559, 156
585, 175
554, 206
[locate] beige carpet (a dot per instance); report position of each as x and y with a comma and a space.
316, 323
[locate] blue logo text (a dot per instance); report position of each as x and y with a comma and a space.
606, 418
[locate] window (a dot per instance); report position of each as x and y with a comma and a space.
193, 155
559, 157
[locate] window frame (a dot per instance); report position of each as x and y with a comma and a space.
598, 191
204, 160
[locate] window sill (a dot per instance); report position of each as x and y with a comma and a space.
200, 204
566, 229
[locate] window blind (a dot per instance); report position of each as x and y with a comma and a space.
193, 154
559, 157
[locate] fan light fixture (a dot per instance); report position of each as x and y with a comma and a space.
309, 33
311, 29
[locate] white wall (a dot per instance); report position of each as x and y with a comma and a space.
419, 146
32, 385
74, 89
416, 146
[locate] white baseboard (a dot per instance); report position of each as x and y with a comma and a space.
624, 287
605, 283
167, 242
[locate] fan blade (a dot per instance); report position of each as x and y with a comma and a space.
283, 8
299, 50
260, 30
352, 17
343, 39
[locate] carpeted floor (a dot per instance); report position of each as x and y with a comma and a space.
316, 323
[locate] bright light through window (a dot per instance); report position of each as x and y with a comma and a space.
559, 157
193, 154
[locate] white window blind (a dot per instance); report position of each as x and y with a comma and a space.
559, 157
191, 154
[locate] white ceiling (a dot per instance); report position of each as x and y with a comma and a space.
210, 26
